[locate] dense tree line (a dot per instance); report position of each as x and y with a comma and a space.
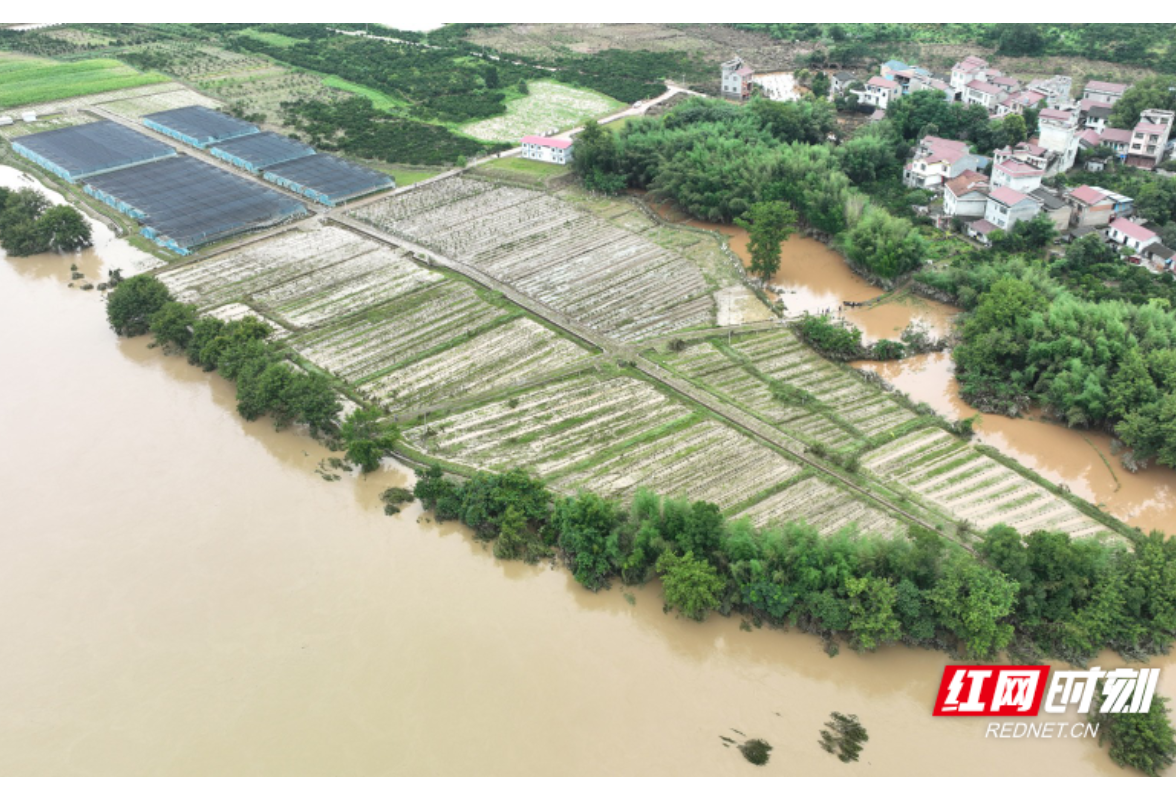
240, 350
353, 126
30, 224
1044, 594
716, 161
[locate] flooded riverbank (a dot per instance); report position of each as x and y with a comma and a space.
818, 279
1083, 460
183, 594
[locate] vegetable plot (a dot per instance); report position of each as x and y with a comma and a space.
974, 487
617, 282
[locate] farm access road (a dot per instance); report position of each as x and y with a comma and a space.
630, 353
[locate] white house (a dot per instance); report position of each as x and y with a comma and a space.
544, 148
970, 69
1103, 93
879, 92
1149, 138
966, 195
1006, 207
939, 160
984, 94
1016, 175
1125, 233
1057, 131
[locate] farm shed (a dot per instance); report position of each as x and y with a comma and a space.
198, 126
260, 150
182, 203
327, 179
83, 150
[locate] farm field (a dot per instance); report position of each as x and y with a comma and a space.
616, 282
26, 81
548, 106
824, 506
781, 356
973, 487
611, 435
68, 111
140, 106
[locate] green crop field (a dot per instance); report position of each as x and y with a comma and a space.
27, 81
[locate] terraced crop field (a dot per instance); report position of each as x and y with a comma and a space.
366, 345
824, 506
611, 435
973, 487
506, 355
781, 356
844, 411
546, 107
616, 282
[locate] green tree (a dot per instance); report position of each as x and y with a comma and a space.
769, 224
173, 324
585, 523
1143, 94
1145, 742
133, 302
64, 228
691, 585
844, 736
820, 85
973, 602
368, 437
887, 246
1014, 128
872, 619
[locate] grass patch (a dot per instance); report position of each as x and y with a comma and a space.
28, 81
525, 166
381, 101
275, 39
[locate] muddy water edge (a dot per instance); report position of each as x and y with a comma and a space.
184, 594
815, 278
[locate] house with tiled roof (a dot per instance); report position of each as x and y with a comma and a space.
982, 93
1118, 139
1093, 114
1006, 207
1052, 206
939, 160
1124, 233
1160, 257
736, 78
839, 81
879, 92
966, 195
970, 69
1019, 102
1089, 207
1058, 132
1056, 89
1016, 174
1149, 138
1104, 92
546, 148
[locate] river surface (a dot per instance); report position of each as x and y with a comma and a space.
184, 594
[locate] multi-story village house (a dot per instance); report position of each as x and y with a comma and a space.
1149, 138
1104, 93
736, 79
937, 161
966, 195
879, 92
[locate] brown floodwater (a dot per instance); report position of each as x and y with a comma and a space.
183, 594
814, 278
1083, 460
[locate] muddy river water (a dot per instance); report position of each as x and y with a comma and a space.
183, 594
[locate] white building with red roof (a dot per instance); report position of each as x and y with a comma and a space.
1058, 132
1118, 139
546, 148
1125, 233
966, 195
970, 69
1150, 137
736, 79
937, 161
1016, 174
982, 93
1089, 207
1103, 92
1006, 207
879, 92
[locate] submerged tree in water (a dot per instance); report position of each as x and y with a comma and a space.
757, 751
844, 737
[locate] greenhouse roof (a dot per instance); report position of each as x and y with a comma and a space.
264, 149
330, 176
202, 124
84, 150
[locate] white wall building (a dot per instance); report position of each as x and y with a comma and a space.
544, 148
